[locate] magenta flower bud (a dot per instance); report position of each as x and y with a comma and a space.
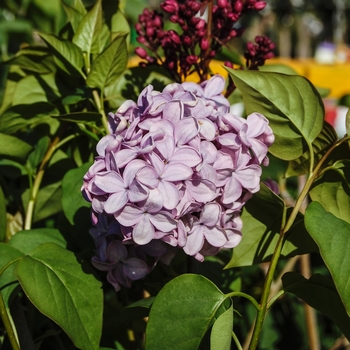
157, 22
174, 18
260, 5
149, 32
187, 40
141, 52
222, 4
228, 64
204, 44
201, 24
269, 55
238, 6
192, 59
174, 37
169, 6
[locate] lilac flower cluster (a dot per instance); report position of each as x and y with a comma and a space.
198, 40
175, 171
257, 54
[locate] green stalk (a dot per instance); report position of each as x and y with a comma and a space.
99, 104
244, 295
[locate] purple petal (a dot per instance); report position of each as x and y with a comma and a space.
201, 190
207, 129
186, 155
116, 251
115, 202
210, 214
130, 215
137, 192
170, 194
154, 202
215, 236
124, 157
232, 190
143, 231
176, 172
185, 130
163, 221
109, 182
194, 242
173, 111
214, 86
148, 176
135, 268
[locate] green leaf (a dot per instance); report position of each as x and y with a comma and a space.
14, 148
119, 24
68, 56
28, 240
8, 280
278, 68
3, 220
72, 198
65, 291
39, 151
320, 293
24, 115
332, 191
109, 65
89, 28
75, 11
290, 102
221, 333
332, 235
182, 313
323, 141
137, 310
79, 117
261, 230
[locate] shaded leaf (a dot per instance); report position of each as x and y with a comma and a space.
79, 117
261, 228
332, 236
70, 57
28, 240
72, 198
14, 148
3, 220
51, 273
182, 313
109, 65
320, 293
323, 141
8, 280
290, 102
221, 333
38, 154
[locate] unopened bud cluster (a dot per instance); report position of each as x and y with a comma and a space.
200, 35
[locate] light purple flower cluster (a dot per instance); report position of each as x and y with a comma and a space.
176, 168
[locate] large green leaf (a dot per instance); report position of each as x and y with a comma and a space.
72, 198
62, 289
332, 235
301, 165
320, 293
262, 221
109, 65
28, 240
332, 190
68, 55
88, 30
221, 333
290, 102
8, 280
14, 148
3, 220
182, 313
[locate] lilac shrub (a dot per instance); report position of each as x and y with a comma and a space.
174, 173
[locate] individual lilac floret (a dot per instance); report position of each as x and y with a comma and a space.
175, 172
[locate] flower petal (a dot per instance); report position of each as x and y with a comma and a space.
143, 231
135, 268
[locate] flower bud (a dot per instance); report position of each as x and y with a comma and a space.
191, 59
204, 44
222, 4
141, 52
238, 6
260, 5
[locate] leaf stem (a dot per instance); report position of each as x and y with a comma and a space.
101, 110
238, 344
244, 295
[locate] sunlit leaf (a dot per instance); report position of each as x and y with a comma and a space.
13, 147
70, 57
320, 293
75, 11
63, 289
109, 65
182, 313
301, 165
332, 235
290, 102
332, 191
28, 240
88, 29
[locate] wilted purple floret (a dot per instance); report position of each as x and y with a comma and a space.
176, 169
